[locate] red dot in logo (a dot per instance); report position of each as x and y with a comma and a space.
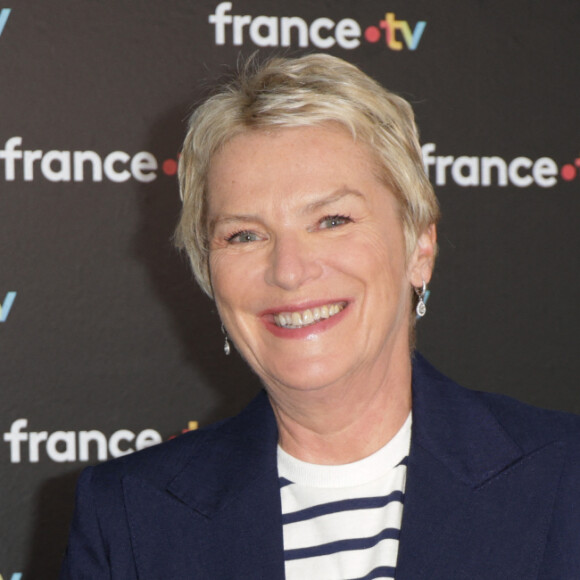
577, 162
372, 34
568, 172
170, 167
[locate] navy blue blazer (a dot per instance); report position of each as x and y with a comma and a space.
493, 491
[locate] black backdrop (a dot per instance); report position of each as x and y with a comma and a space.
103, 334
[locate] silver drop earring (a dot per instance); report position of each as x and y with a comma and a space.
421, 308
227, 348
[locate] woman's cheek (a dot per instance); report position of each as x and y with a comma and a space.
229, 271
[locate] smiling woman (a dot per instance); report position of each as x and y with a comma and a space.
297, 256
308, 217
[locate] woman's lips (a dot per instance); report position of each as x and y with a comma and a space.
309, 316
304, 320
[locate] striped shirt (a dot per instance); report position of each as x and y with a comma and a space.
342, 522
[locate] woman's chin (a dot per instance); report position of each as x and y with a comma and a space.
301, 378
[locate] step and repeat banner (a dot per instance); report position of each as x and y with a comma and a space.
106, 344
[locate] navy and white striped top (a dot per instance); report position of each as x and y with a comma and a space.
342, 522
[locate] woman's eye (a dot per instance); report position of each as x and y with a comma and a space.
243, 237
333, 221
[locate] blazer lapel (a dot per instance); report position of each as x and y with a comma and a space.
476, 505
221, 515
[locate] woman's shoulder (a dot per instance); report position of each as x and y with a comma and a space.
159, 464
530, 427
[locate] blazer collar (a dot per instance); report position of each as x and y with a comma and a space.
476, 505
221, 515
230, 458
456, 428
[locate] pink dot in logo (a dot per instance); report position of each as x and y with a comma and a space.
170, 167
372, 34
568, 172
577, 162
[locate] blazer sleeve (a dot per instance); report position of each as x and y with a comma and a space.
86, 555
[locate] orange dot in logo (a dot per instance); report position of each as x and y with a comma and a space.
568, 172
170, 167
372, 34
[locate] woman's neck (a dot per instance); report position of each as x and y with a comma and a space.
344, 422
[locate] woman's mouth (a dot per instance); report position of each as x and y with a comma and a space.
309, 316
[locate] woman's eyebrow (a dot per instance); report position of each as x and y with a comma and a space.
230, 219
311, 207
332, 198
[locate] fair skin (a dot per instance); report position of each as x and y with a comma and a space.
309, 273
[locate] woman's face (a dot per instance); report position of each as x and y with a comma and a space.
307, 258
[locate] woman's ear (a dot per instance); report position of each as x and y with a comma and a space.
422, 260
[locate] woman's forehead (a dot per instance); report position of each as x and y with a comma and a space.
315, 162
288, 153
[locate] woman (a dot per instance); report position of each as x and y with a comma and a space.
308, 217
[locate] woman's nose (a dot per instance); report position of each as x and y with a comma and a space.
293, 261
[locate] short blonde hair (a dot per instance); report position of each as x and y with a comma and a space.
312, 90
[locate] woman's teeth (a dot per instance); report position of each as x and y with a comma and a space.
307, 317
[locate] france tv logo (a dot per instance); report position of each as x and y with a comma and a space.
323, 33
6, 306
4, 14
